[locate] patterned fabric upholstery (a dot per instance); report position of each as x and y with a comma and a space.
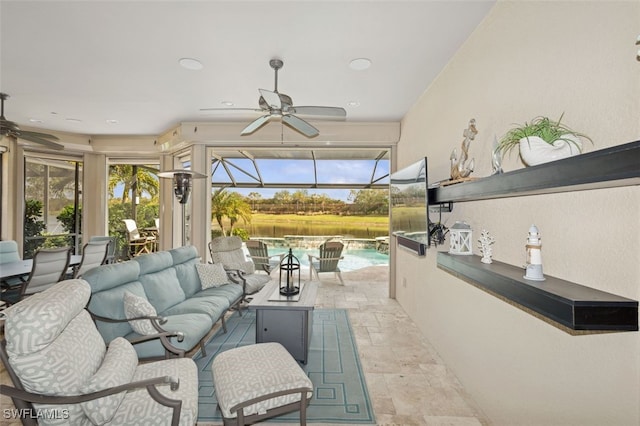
255, 282
137, 409
117, 368
266, 368
55, 349
211, 275
135, 307
228, 251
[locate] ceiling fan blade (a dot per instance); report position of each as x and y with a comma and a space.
6, 124
320, 110
231, 109
28, 136
271, 98
300, 125
39, 135
255, 125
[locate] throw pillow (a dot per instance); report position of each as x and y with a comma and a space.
211, 275
118, 367
136, 306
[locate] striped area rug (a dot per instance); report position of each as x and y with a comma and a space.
340, 391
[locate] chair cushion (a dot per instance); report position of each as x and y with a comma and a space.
266, 368
246, 266
38, 320
211, 275
136, 306
255, 282
137, 409
117, 369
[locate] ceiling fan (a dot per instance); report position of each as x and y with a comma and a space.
279, 105
9, 128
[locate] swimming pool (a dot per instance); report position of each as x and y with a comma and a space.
353, 258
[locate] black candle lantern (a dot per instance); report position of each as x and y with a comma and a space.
290, 267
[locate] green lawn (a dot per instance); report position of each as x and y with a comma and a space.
271, 225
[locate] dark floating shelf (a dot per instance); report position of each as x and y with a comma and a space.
569, 304
605, 168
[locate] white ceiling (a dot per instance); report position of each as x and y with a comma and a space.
76, 64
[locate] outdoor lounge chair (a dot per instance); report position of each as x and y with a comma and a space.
259, 252
138, 243
330, 255
228, 251
61, 368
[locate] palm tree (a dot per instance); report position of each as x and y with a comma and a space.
230, 205
139, 178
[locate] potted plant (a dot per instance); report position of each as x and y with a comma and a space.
542, 140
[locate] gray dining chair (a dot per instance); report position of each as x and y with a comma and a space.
94, 253
8, 254
49, 267
111, 252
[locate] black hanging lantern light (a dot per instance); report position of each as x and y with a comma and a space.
290, 267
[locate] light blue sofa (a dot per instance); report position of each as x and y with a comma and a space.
170, 282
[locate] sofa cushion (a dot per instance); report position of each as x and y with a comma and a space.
154, 262
117, 369
109, 303
162, 288
183, 254
193, 326
231, 292
188, 277
212, 306
211, 275
135, 307
113, 275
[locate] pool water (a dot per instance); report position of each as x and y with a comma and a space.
353, 259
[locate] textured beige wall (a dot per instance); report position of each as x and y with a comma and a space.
528, 59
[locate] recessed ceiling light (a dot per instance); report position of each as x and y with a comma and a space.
353, 104
190, 64
360, 64
74, 120
112, 121
227, 103
35, 120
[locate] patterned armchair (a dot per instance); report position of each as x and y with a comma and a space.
62, 371
228, 251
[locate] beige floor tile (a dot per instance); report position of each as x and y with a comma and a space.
407, 380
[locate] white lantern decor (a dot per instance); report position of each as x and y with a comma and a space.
460, 239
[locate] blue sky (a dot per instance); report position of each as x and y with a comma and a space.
300, 171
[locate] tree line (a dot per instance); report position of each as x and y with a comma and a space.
236, 208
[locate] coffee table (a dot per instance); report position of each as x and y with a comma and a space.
286, 322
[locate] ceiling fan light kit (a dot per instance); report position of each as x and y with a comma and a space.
279, 105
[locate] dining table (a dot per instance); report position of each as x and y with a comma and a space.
21, 268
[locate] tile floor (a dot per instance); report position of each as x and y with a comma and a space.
408, 382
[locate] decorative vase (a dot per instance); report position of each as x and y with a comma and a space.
535, 150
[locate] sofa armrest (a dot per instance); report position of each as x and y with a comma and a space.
237, 277
162, 334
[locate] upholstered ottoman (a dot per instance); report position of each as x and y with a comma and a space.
259, 381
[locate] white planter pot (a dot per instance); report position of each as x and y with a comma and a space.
534, 150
